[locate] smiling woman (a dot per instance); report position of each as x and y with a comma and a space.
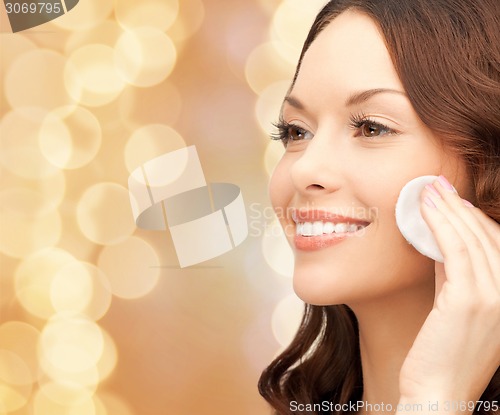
386, 91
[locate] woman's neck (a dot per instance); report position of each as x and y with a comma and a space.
387, 329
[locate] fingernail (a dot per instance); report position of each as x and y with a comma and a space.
429, 202
446, 184
433, 190
467, 203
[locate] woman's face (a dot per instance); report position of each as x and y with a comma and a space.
353, 141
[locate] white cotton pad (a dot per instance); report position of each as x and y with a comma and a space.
410, 221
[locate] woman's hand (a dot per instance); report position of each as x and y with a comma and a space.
457, 350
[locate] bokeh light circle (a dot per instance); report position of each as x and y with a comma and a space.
273, 154
100, 296
90, 75
43, 87
269, 104
70, 137
23, 157
109, 358
66, 392
190, 19
149, 142
71, 288
21, 339
15, 381
44, 405
104, 214
33, 279
286, 319
145, 56
106, 33
132, 267
29, 197
276, 250
22, 235
265, 67
89, 14
291, 23
71, 343
115, 405
158, 14
13, 46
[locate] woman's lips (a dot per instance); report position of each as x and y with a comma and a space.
318, 229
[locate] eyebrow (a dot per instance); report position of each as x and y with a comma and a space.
360, 97
354, 99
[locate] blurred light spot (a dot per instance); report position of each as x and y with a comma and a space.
109, 357
276, 250
33, 279
43, 405
269, 6
71, 343
70, 137
23, 157
269, 104
71, 288
104, 214
100, 298
23, 235
21, 339
159, 14
132, 267
164, 104
36, 79
12, 46
265, 67
149, 142
272, 156
106, 33
15, 381
88, 378
191, 16
286, 319
32, 197
291, 23
100, 409
87, 15
90, 75
145, 56
114, 404
66, 393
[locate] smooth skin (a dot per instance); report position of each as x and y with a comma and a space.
422, 325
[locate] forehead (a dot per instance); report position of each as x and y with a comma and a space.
348, 55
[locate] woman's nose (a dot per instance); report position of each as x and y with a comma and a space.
318, 168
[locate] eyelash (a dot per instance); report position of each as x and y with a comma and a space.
356, 122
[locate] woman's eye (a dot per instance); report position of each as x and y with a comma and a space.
295, 133
289, 132
371, 129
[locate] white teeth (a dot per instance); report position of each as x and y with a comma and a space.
319, 228
328, 227
341, 227
300, 229
307, 228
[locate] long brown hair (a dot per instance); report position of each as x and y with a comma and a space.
447, 56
